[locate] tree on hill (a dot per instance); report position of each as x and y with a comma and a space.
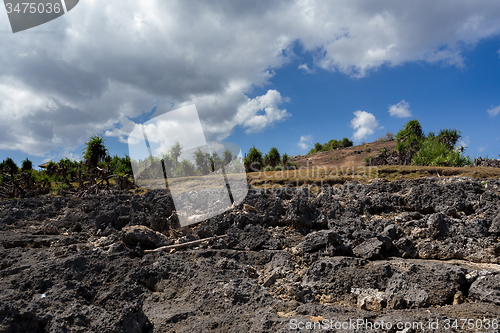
27, 165
175, 151
95, 151
10, 166
285, 158
227, 156
253, 160
202, 161
410, 136
273, 157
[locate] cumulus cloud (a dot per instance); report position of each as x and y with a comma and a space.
364, 125
107, 64
400, 110
305, 142
493, 111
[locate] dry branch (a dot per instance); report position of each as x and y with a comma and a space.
179, 246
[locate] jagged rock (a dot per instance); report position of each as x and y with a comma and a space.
486, 289
321, 239
9, 220
393, 232
253, 280
402, 294
370, 299
370, 249
495, 225
149, 239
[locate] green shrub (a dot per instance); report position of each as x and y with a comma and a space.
437, 153
346, 142
332, 144
268, 168
278, 168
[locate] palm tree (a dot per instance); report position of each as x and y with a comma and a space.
10, 166
449, 137
175, 151
227, 156
27, 165
94, 153
202, 161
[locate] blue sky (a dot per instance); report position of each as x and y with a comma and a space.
322, 103
286, 74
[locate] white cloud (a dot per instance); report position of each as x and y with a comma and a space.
305, 68
305, 142
364, 125
464, 142
260, 112
482, 148
109, 63
493, 111
400, 110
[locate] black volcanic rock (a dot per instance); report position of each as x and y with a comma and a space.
371, 252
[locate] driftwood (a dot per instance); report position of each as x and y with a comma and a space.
179, 246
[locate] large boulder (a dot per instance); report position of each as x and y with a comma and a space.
486, 289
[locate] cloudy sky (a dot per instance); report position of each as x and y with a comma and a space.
270, 73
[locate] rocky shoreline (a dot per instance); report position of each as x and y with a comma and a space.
409, 251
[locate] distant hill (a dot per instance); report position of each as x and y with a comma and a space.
343, 157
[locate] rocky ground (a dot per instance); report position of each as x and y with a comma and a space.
402, 253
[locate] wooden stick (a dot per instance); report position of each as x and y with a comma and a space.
179, 246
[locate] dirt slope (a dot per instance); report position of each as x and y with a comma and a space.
343, 157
